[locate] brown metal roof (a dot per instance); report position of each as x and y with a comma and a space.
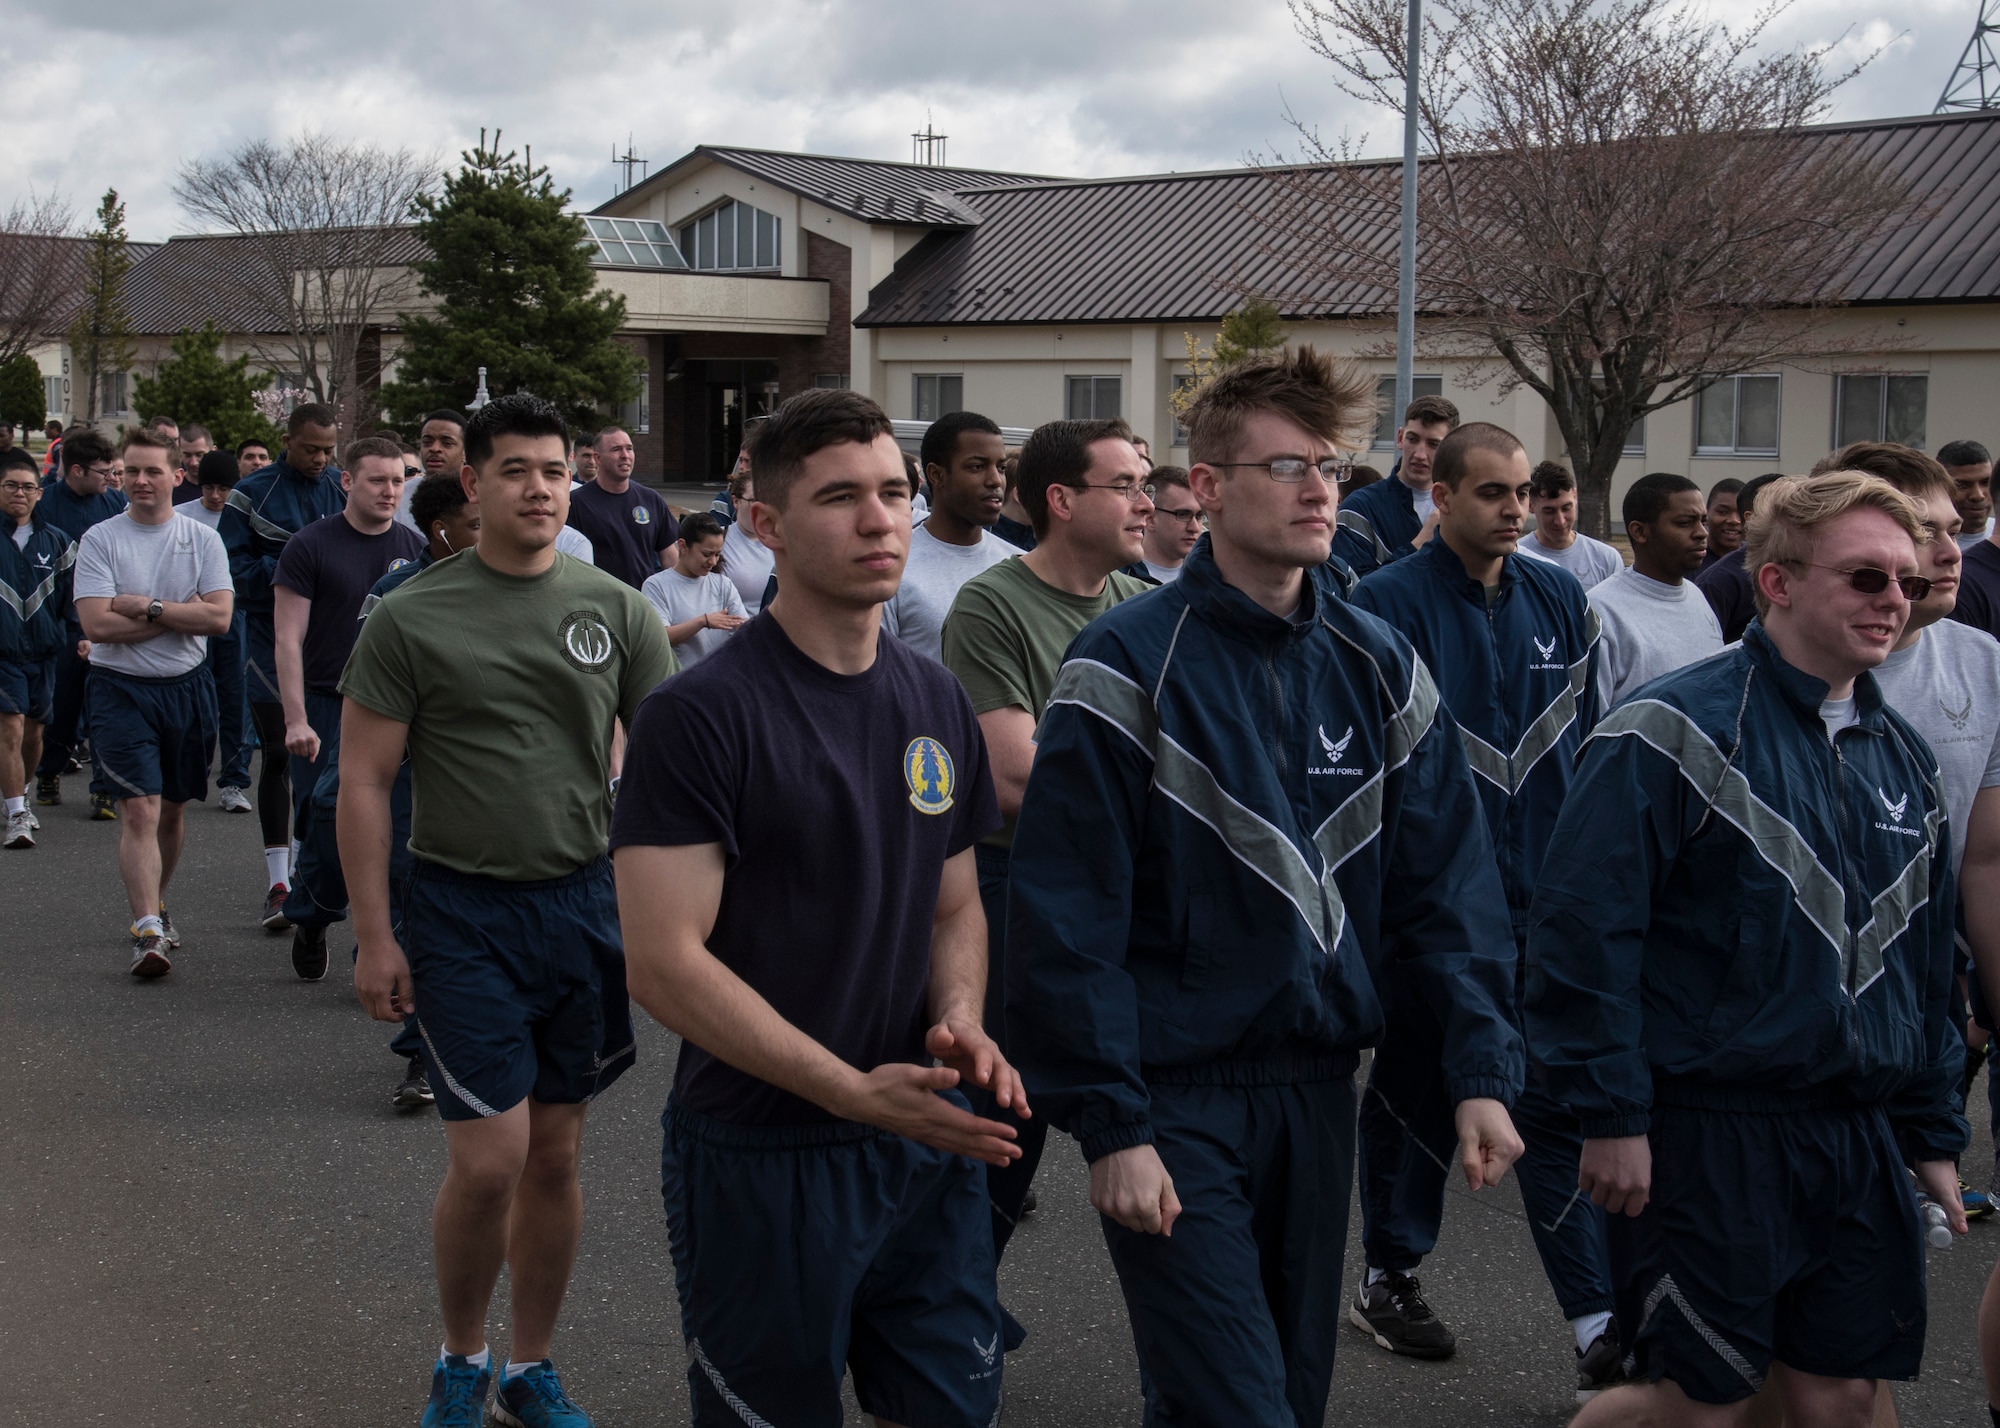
1184, 247
187, 281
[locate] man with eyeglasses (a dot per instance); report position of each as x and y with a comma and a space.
1086, 489
73, 504
1655, 619
962, 452
1247, 802
1176, 526
35, 562
1753, 1072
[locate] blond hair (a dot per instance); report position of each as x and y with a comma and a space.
1791, 512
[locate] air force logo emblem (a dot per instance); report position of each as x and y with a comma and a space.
928, 772
642, 516
1548, 650
585, 641
1896, 809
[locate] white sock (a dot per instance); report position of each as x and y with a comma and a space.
514, 1370
17, 805
149, 923
1373, 1277
1588, 1327
478, 1360
277, 866
291, 859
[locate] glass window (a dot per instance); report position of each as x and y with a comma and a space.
1635, 439
1182, 381
634, 243
637, 415
936, 394
113, 391
1738, 416
52, 402
734, 238
835, 380
1872, 406
1387, 418
1093, 398
767, 240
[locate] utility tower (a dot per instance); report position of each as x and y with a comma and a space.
1975, 82
927, 147
628, 161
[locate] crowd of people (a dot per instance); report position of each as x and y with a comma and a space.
1169, 793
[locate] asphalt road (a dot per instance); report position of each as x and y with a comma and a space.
209, 1214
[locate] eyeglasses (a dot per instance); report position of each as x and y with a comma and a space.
1130, 491
25, 488
1186, 518
1867, 580
1291, 470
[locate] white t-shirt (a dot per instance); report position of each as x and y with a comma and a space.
1948, 685
1165, 574
748, 563
23, 533
1838, 714
1650, 629
1968, 539
1592, 562
1424, 501
176, 561
196, 511
678, 598
931, 581
571, 543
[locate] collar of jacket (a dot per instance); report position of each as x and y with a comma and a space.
1234, 613
1451, 570
1805, 692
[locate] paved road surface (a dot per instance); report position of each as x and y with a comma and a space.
210, 1215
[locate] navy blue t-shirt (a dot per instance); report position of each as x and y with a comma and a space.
335, 566
627, 531
1979, 589
836, 799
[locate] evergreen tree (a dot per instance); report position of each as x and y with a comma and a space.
516, 295
22, 394
1250, 331
197, 385
100, 338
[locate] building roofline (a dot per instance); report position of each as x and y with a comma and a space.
719, 154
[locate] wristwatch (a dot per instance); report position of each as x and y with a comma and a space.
153, 610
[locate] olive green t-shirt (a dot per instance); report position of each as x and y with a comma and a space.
1005, 636
509, 685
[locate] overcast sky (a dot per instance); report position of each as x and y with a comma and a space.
117, 93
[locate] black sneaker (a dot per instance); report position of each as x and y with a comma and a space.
74, 766
413, 1092
1599, 1367
309, 953
103, 809
273, 916
48, 792
1393, 1313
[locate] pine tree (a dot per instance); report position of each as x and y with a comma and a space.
515, 294
1251, 330
197, 385
22, 395
100, 338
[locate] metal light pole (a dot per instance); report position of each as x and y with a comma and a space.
1406, 269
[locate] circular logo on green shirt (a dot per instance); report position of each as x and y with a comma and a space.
586, 641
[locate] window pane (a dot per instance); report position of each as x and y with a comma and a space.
923, 398
687, 242
725, 236
746, 236
615, 252
1857, 414
834, 380
951, 394
1715, 417
1756, 413
1908, 398
1385, 412
705, 243
767, 241
1076, 398
628, 230
1635, 439
52, 402
1105, 397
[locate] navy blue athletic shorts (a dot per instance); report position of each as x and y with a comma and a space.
152, 736
28, 687
1789, 1235
803, 1251
520, 987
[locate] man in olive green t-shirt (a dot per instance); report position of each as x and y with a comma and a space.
502, 672
1085, 487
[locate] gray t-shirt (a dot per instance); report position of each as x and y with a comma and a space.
1948, 685
1650, 629
932, 578
1165, 574
678, 598
748, 563
196, 511
1968, 539
1591, 561
176, 561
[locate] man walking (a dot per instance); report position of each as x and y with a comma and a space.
962, 453
73, 503
216, 476
1388, 520
35, 562
501, 672
630, 527
152, 587
1555, 536
1654, 619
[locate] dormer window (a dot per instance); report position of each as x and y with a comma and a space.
733, 238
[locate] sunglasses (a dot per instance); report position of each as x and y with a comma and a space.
1867, 580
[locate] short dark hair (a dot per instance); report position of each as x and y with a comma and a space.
436, 498
1169, 476
1057, 453
1329, 397
1360, 476
82, 446
18, 459
1963, 453
811, 421
699, 525
190, 430
941, 436
256, 441
1650, 494
152, 436
364, 447
585, 439
456, 418
1727, 486
517, 414
1431, 410
1448, 465
1551, 479
311, 414
1747, 497
162, 422
216, 468
1904, 467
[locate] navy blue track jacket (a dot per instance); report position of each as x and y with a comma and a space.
267, 508
1376, 525
1520, 682
1737, 912
35, 592
1234, 823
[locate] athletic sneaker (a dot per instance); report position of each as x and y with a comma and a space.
102, 809
149, 955
1392, 1311
234, 800
309, 953
167, 933
34, 823
20, 831
75, 764
535, 1399
273, 917
1598, 1367
48, 792
458, 1393
1978, 1204
413, 1092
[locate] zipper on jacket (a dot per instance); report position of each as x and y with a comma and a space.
1849, 940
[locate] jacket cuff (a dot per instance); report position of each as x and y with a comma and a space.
1100, 1143
1934, 1139
1615, 1127
1483, 1088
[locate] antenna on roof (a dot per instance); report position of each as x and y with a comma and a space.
1975, 81
927, 147
628, 161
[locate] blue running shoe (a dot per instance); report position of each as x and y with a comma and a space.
458, 1393
535, 1399
1978, 1204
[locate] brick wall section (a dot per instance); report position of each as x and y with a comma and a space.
810, 356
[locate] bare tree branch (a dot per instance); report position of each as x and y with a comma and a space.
41, 272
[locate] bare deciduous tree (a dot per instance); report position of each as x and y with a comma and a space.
323, 254
1621, 203
41, 271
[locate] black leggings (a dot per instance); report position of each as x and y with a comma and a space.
274, 784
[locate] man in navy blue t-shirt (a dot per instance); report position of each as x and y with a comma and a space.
793, 845
627, 525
